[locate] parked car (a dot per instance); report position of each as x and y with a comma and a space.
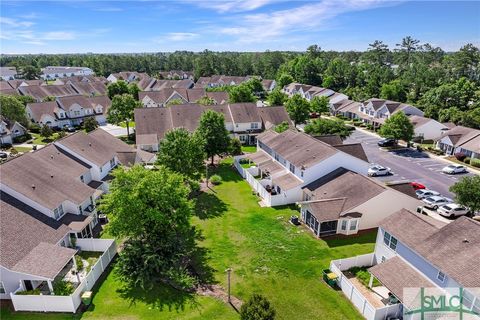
3, 155
454, 169
417, 185
452, 210
378, 170
68, 128
424, 193
434, 202
389, 142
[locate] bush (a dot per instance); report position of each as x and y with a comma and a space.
62, 288
35, 292
257, 308
369, 126
460, 156
79, 262
23, 138
215, 179
35, 128
235, 147
475, 163
467, 160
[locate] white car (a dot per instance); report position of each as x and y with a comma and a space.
454, 169
378, 170
452, 210
424, 193
434, 202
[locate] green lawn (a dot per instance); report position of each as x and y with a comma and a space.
131, 124
38, 139
268, 256
250, 149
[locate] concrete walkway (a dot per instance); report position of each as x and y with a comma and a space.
115, 130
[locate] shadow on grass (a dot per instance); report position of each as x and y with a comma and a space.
208, 205
368, 236
227, 172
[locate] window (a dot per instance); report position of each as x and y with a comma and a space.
58, 212
441, 276
301, 173
353, 225
80, 209
292, 168
254, 125
112, 163
390, 241
344, 225
2, 288
81, 178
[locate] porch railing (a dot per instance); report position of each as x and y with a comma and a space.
52, 303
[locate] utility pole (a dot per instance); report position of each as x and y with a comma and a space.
229, 271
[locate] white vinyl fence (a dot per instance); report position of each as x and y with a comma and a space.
354, 295
46, 303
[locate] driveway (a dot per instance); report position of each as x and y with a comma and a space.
115, 130
407, 164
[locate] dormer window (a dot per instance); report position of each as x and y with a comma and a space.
58, 212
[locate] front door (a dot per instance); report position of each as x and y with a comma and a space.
28, 285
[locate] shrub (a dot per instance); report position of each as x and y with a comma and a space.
23, 138
257, 308
235, 147
79, 262
475, 163
460, 156
35, 128
62, 288
467, 160
369, 126
215, 179
35, 292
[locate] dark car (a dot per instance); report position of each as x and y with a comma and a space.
69, 128
386, 142
3, 155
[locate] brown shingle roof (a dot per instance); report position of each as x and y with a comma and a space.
272, 116
68, 102
40, 108
396, 275
244, 112
354, 149
331, 139
23, 228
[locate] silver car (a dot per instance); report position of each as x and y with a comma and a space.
425, 193
434, 202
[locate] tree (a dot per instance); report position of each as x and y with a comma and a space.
46, 131
394, 90
117, 88
133, 89
122, 109
29, 72
408, 46
257, 308
212, 130
466, 192
205, 101
321, 126
282, 127
319, 104
284, 79
276, 97
13, 109
397, 127
182, 152
90, 124
49, 98
298, 109
151, 211
235, 147
241, 93
174, 102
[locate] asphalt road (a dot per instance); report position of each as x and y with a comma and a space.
407, 164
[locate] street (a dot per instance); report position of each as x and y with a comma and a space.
407, 164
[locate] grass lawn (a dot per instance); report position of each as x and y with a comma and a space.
250, 149
267, 254
22, 149
131, 124
38, 139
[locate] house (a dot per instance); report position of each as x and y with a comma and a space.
9, 130
309, 92
413, 254
157, 85
426, 128
375, 111
460, 139
220, 80
162, 97
8, 73
243, 120
23, 83
268, 85
89, 88
55, 72
287, 162
7, 89
176, 75
128, 76
40, 92
345, 108
69, 110
346, 202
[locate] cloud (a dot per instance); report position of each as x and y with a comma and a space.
261, 27
108, 9
179, 36
234, 5
58, 35
15, 23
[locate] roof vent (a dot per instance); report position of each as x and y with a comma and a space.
465, 240
51, 176
89, 144
33, 186
51, 156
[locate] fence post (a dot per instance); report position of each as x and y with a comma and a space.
351, 291
364, 304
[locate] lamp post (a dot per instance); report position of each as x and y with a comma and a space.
229, 271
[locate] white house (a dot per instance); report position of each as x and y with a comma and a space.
8, 73
9, 130
288, 161
426, 128
376, 111
413, 254
345, 202
55, 72
460, 139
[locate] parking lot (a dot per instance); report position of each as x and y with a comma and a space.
407, 164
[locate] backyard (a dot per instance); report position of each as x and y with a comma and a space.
268, 255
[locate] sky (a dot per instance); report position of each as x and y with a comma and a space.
81, 26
